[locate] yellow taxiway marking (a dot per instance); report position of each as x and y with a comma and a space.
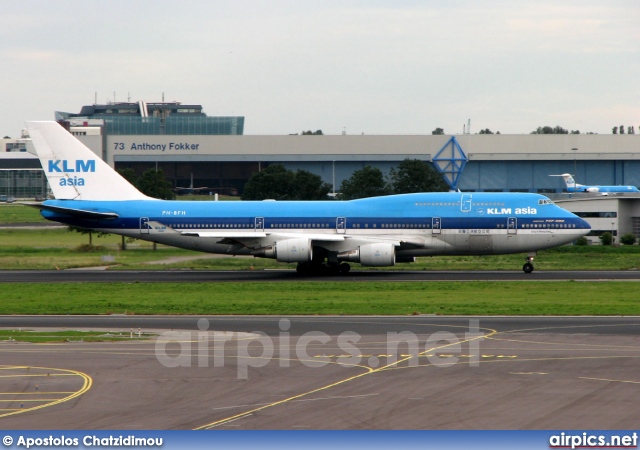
369, 371
12, 400
35, 393
571, 345
492, 334
339, 397
529, 373
22, 375
569, 327
86, 385
607, 379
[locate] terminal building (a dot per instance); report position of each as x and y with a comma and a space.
196, 150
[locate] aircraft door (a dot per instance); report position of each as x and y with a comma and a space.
144, 225
259, 223
465, 203
512, 225
436, 225
341, 225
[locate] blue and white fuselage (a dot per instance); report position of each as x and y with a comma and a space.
398, 227
572, 186
376, 231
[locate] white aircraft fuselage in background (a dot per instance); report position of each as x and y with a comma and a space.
572, 186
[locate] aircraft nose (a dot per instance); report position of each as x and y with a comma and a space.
583, 225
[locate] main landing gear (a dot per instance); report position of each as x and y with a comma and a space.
528, 266
310, 269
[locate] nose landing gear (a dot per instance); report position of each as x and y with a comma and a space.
528, 266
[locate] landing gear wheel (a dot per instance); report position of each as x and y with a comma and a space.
344, 268
332, 269
303, 269
528, 267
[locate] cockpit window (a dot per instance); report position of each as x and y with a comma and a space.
545, 201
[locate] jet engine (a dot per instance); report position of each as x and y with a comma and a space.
289, 250
380, 254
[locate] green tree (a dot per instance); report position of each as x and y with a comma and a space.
438, 131
606, 238
154, 184
367, 182
278, 183
309, 186
582, 241
548, 130
129, 175
486, 131
81, 230
414, 175
312, 133
628, 239
274, 182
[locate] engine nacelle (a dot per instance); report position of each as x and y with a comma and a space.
373, 255
294, 250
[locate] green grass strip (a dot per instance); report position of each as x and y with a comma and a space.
42, 337
16, 213
308, 298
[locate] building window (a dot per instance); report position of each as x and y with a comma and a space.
635, 226
595, 214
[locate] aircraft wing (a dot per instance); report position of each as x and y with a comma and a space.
257, 239
226, 234
251, 235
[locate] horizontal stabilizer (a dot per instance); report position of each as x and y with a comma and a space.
74, 212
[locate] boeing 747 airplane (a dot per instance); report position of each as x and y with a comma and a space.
320, 236
572, 186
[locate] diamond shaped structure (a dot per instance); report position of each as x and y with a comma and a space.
450, 162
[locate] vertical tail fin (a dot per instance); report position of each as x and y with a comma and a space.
75, 172
568, 179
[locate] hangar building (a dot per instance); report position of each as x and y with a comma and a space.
196, 150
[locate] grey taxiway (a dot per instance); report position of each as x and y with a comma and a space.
239, 372
96, 276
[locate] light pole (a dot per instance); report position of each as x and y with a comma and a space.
613, 233
574, 150
333, 171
